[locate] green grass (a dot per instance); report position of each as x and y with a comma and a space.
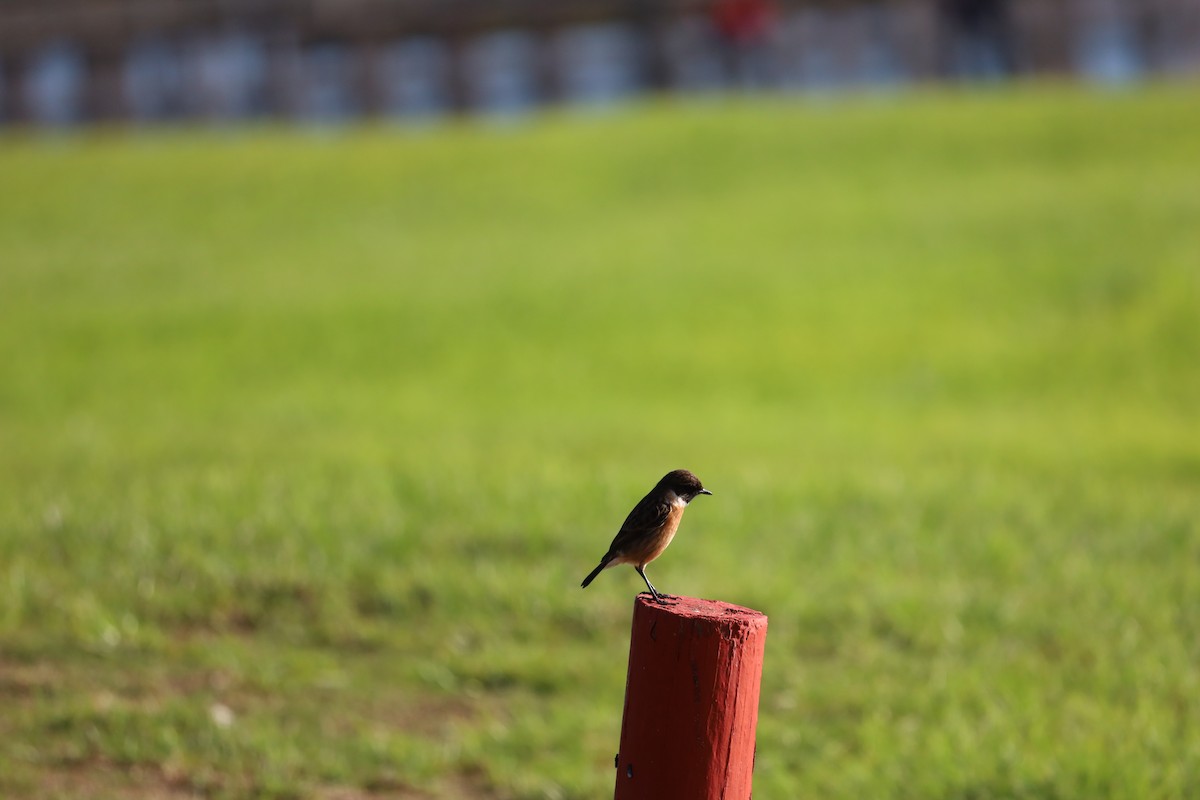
325, 430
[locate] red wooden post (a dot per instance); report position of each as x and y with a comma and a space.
691, 701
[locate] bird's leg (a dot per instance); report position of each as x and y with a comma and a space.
649, 585
658, 598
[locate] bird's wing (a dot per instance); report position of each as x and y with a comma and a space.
648, 515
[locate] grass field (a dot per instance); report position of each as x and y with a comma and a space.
306, 442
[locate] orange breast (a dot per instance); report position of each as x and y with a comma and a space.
652, 546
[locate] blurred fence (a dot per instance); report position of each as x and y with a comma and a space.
63, 62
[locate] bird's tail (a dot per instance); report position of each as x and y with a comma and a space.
592, 575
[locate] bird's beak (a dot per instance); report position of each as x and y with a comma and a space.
705, 491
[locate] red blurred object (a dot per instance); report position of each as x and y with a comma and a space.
743, 21
691, 701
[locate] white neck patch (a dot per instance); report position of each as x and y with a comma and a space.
676, 500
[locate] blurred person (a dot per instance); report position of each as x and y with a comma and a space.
54, 84
744, 29
1106, 46
414, 76
152, 80
501, 71
979, 38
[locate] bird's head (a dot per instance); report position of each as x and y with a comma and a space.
684, 484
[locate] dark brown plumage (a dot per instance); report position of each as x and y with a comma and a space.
651, 525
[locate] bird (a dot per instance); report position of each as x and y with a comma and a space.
650, 526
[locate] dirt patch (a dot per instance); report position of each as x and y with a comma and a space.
21, 681
467, 786
100, 779
353, 793
430, 716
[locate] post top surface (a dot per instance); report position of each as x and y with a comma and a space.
696, 608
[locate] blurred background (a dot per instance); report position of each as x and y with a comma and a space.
312, 423
64, 62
